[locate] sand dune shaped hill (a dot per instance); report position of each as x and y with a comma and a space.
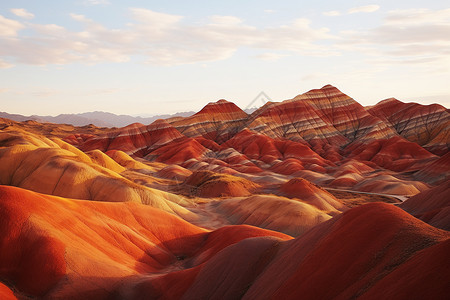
65, 171
312, 194
209, 184
290, 216
58, 247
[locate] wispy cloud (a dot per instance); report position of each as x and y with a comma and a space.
159, 38
23, 13
166, 39
332, 13
364, 9
156, 20
8, 27
5, 65
418, 16
96, 2
422, 37
353, 10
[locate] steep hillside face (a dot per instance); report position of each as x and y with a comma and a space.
217, 121
426, 125
260, 147
323, 117
396, 154
436, 172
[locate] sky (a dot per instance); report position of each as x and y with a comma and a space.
160, 57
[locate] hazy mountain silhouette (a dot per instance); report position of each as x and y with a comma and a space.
97, 118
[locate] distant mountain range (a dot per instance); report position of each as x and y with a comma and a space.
97, 118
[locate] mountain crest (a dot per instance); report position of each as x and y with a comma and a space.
222, 107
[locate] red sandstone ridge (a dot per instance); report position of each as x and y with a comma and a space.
178, 152
259, 146
320, 117
217, 121
426, 125
436, 172
135, 139
396, 153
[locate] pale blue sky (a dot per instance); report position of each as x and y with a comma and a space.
153, 57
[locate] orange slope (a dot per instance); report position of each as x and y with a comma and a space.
210, 184
312, 194
57, 247
54, 167
285, 215
6, 293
